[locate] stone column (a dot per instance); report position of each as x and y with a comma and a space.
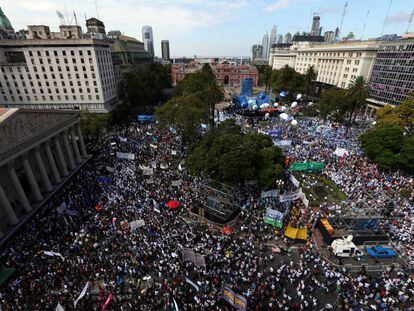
32, 180
68, 150
75, 145
62, 162
42, 169
5, 204
18, 187
81, 142
52, 164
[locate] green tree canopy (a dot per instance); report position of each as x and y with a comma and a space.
227, 155
357, 93
333, 102
287, 79
402, 115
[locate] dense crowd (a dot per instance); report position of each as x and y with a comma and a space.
143, 268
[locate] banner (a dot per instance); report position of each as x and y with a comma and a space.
83, 293
283, 143
59, 307
290, 196
123, 139
173, 152
294, 181
304, 199
176, 183
269, 194
61, 208
236, 300
110, 169
105, 180
273, 217
274, 133
107, 302
136, 224
153, 146
126, 156
163, 166
53, 254
192, 283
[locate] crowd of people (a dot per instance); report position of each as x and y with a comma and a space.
101, 262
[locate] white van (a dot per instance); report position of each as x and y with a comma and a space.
345, 248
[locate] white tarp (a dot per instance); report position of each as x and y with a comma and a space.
127, 156
341, 152
136, 224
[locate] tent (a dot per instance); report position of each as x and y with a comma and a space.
296, 233
173, 204
306, 166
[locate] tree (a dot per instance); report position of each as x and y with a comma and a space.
357, 93
402, 115
407, 154
185, 113
93, 124
333, 102
287, 79
383, 145
310, 76
228, 155
265, 75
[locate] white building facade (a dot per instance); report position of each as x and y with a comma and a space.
337, 64
57, 74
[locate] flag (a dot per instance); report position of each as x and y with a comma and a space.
107, 302
192, 283
83, 293
53, 254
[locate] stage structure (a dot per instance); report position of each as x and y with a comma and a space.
216, 202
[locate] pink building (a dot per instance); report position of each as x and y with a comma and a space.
226, 73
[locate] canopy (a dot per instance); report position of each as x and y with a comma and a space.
173, 204
146, 118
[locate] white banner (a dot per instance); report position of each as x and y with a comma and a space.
123, 139
269, 194
153, 146
192, 283
110, 169
294, 181
176, 183
53, 254
291, 196
136, 224
83, 293
127, 156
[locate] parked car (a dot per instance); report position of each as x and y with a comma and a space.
380, 252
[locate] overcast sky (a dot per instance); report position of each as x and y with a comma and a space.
214, 27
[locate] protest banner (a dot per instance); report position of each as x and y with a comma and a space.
192, 283
294, 181
110, 169
269, 194
283, 143
122, 139
107, 302
126, 156
136, 224
82, 294
274, 218
176, 183
53, 254
236, 300
290, 196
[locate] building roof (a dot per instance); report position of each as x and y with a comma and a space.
94, 22
297, 38
4, 22
128, 38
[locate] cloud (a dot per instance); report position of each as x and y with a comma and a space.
280, 4
330, 9
399, 17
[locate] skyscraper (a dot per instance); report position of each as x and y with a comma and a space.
329, 36
273, 36
265, 44
315, 25
165, 49
257, 51
287, 38
148, 39
279, 38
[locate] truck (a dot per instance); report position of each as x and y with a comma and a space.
345, 248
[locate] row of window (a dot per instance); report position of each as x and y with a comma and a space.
50, 97
334, 54
401, 47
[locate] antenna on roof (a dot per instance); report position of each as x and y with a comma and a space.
343, 17
76, 20
365, 25
96, 7
386, 18
409, 21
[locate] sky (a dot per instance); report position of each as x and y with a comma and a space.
215, 27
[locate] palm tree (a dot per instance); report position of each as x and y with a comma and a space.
357, 93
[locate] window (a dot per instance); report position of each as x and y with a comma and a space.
72, 53
30, 53
55, 53
97, 97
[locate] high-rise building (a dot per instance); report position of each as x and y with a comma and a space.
320, 31
287, 38
257, 51
57, 70
165, 49
148, 39
273, 36
279, 38
392, 77
315, 25
329, 36
265, 44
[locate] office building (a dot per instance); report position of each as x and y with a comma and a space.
287, 38
392, 77
280, 55
257, 51
337, 64
273, 36
315, 25
279, 39
329, 36
63, 70
165, 49
39, 151
265, 44
148, 39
